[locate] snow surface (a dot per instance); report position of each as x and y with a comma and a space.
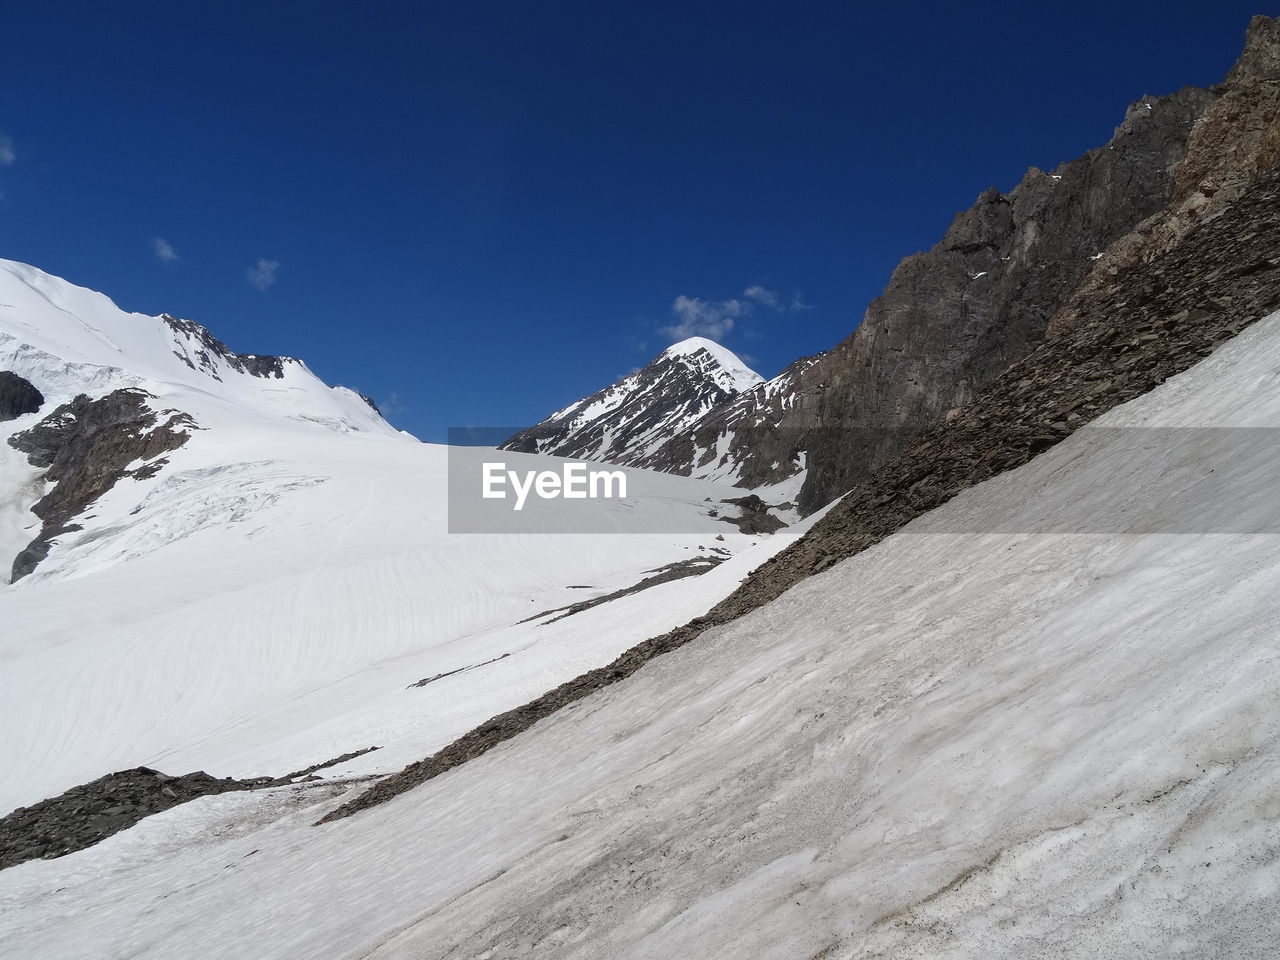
264, 602
952, 745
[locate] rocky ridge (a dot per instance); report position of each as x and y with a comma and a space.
91, 812
199, 349
950, 320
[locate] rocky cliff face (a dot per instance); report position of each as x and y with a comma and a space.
627, 420
951, 319
1235, 143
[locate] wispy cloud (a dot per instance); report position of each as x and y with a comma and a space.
164, 251
391, 406
8, 155
263, 276
696, 317
715, 319
761, 296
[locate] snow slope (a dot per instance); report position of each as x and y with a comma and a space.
264, 602
964, 745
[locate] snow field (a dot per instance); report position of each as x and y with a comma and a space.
952, 745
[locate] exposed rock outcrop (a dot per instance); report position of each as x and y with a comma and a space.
200, 350
950, 320
18, 397
1235, 142
86, 446
90, 813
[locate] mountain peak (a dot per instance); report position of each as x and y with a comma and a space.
733, 372
629, 419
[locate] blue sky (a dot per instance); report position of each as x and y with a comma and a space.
477, 212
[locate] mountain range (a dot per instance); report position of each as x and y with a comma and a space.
1005, 685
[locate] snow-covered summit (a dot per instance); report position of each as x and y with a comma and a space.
122, 406
627, 420
715, 361
68, 340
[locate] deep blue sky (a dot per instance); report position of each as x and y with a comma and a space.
481, 211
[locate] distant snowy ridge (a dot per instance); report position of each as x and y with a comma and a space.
124, 396
68, 340
630, 419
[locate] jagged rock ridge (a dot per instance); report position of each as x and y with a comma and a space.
950, 320
205, 349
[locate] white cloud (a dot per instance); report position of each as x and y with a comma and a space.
263, 276
761, 296
164, 251
715, 319
712, 319
8, 155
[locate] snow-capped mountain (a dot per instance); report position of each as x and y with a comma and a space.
628, 420
245, 570
116, 395
961, 745
1016, 694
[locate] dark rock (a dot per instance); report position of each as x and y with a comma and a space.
755, 516
92, 812
18, 397
86, 446
200, 350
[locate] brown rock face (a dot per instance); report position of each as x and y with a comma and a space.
1239, 138
953, 318
1230, 147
